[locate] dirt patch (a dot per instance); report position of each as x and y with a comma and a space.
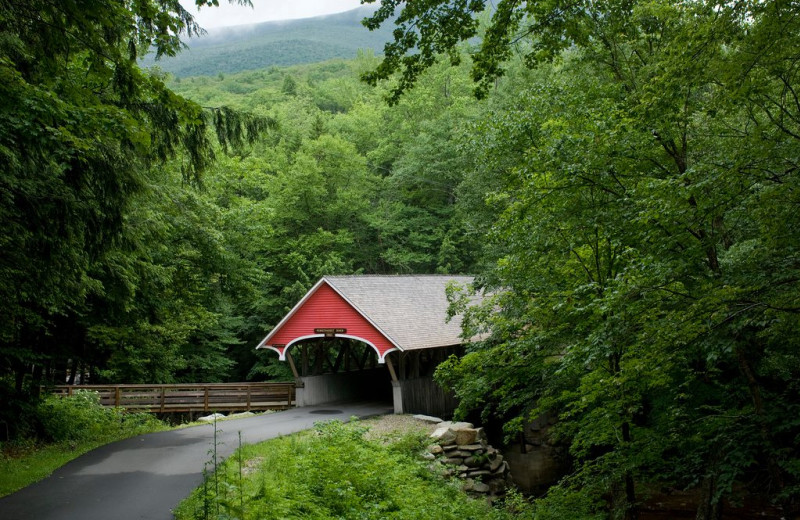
252, 465
388, 427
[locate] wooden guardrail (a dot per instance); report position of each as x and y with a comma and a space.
211, 397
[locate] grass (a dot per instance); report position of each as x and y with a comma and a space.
28, 462
333, 471
25, 462
365, 470
73, 425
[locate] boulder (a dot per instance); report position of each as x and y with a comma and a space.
464, 435
467, 454
435, 449
211, 418
455, 433
480, 487
427, 418
444, 435
458, 425
472, 462
497, 486
496, 463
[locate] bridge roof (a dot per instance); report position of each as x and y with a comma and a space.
397, 312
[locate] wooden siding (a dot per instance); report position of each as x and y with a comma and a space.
425, 396
327, 309
212, 397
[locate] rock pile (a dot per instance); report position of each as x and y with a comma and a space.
463, 450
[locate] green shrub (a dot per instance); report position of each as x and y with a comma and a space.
575, 504
333, 472
81, 417
72, 425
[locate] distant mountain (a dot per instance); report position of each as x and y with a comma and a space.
246, 47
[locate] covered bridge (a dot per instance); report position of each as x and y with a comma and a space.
371, 337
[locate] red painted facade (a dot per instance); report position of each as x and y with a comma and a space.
326, 309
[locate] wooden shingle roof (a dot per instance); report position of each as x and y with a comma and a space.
410, 309
388, 312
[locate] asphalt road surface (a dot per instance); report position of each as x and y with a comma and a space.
145, 477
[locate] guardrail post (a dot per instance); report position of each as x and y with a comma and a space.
205, 399
163, 397
116, 396
289, 394
248, 398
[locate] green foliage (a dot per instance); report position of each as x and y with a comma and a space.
82, 129
627, 195
80, 417
333, 472
69, 427
270, 44
634, 183
186, 271
577, 504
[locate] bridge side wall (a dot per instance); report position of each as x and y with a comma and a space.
424, 396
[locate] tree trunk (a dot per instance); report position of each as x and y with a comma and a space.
631, 509
36, 383
775, 473
19, 377
708, 508
72, 371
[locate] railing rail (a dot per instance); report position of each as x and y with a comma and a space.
210, 397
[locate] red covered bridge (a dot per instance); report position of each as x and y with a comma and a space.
347, 327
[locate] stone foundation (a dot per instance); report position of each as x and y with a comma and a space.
464, 453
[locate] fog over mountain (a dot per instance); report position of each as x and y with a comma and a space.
290, 42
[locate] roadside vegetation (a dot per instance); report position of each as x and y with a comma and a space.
66, 427
335, 470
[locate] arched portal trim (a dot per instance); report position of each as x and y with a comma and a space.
282, 351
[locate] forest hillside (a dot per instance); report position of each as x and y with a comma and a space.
622, 178
228, 50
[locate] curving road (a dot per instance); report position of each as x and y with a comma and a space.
145, 477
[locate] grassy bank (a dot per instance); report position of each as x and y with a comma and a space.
333, 471
24, 463
67, 428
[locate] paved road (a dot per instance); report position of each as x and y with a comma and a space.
145, 477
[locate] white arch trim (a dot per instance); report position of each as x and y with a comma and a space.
282, 353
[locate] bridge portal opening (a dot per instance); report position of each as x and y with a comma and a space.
338, 369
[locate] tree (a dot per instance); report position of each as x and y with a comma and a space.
80, 126
652, 170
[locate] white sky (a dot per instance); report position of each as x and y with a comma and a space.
265, 10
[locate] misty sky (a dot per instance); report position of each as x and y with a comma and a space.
265, 10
